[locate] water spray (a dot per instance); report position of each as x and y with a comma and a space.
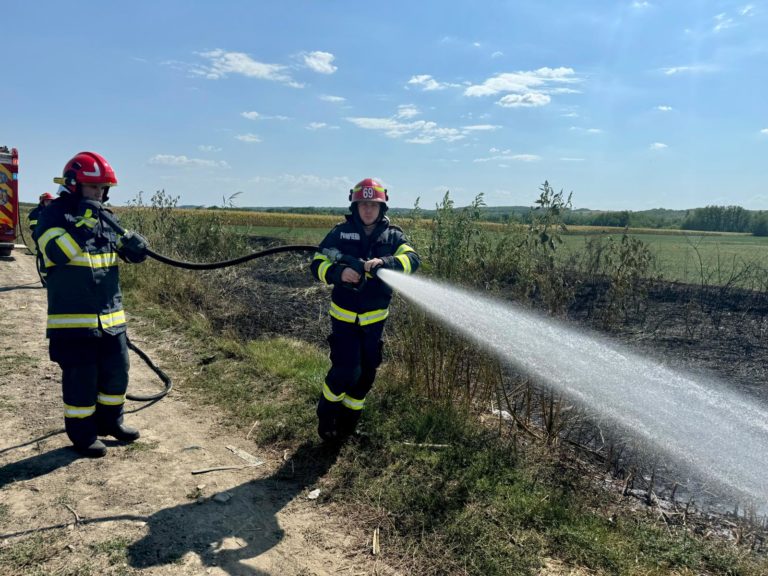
697, 421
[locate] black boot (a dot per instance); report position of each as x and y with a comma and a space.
95, 449
122, 433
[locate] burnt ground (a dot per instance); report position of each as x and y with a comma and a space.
719, 332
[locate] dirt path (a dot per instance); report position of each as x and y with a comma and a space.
140, 510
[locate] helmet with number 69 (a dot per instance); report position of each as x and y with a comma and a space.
369, 190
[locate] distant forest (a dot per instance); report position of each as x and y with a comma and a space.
709, 218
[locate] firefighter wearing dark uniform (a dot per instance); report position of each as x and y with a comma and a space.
45, 199
86, 322
347, 259
34, 216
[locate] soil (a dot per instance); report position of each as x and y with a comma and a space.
141, 509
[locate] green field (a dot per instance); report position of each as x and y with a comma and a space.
714, 258
686, 257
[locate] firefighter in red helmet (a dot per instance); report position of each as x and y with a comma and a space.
347, 259
86, 322
45, 199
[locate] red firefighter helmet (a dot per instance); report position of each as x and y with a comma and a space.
370, 190
87, 168
46, 196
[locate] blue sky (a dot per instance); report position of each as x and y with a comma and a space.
630, 104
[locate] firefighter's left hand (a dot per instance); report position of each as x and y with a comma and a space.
133, 246
372, 264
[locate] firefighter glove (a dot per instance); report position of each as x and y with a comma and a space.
133, 247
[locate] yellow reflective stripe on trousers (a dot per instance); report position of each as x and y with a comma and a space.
402, 249
113, 319
353, 403
73, 321
405, 261
372, 317
363, 319
330, 396
111, 399
341, 314
106, 260
78, 411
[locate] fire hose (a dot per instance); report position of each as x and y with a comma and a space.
167, 382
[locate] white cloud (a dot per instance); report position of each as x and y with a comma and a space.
586, 130
570, 115
320, 62
693, 69
658, 146
497, 54
208, 148
407, 111
428, 83
185, 162
257, 116
418, 132
248, 138
747, 10
664, 108
507, 155
335, 99
722, 22
320, 125
526, 89
476, 44
522, 82
481, 127
307, 181
641, 5
222, 63
764, 131
571, 159
528, 100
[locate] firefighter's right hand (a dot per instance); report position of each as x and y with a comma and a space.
133, 246
349, 276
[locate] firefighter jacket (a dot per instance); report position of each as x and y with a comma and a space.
80, 254
370, 303
34, 216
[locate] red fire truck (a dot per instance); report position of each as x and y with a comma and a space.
9, 198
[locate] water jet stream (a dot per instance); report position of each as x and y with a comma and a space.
699, 422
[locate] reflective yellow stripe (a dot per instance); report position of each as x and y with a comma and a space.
111, 399
402, 249
78, 411
113, 319
87, 219
405, 261
33, 222
341, 314
323, 270
363, 319
353, 403
73, 321
68, 245
49, 235
373, 317
94, 260
330, 396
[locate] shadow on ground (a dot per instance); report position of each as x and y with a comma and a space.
224, 535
